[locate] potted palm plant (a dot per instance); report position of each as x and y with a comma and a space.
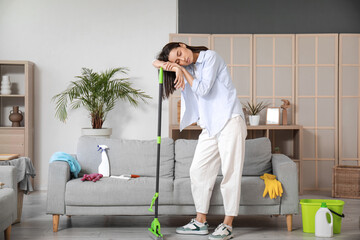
254, 110
98, 93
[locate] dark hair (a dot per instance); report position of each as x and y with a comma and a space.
169, 77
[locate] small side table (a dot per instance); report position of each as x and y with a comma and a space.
25, 170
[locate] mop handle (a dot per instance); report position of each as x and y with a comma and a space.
161, 77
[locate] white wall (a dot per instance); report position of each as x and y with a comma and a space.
62, 36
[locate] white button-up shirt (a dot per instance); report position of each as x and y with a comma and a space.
212, 99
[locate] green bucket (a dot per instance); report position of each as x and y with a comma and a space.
309, 207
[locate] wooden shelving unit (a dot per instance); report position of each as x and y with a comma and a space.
17, 139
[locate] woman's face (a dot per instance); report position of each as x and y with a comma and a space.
181, 55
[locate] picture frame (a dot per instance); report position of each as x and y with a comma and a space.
272, 116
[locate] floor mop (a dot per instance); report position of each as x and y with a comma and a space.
155, 225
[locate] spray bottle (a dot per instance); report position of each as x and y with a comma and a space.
104, 167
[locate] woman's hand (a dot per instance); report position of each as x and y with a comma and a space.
179, 80
168, 66
157, 63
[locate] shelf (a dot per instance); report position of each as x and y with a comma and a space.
271, 127
16, 63
11, 128
12, 95
259, 127
191, 127
17, 139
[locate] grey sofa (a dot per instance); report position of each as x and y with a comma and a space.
8, 199
111, 196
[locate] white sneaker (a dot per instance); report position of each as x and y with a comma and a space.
222, 232
194, 227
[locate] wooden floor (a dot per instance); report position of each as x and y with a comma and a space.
37, 225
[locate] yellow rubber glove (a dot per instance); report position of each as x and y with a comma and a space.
272, 186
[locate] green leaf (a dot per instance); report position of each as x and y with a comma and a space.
97, 93
255, 109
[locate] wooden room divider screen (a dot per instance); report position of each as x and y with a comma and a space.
322, 86
349, 100
316, 106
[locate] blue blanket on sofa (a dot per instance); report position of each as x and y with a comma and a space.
73, 163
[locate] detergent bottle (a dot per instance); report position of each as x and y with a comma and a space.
322, 227
104, 167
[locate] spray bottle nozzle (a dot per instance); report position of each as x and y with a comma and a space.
102, 147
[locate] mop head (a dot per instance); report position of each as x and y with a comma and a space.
155, 230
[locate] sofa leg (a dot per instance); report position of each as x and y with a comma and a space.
7, 233
289, 220
56, 218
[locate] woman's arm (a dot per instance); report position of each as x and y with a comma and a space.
188, 76
172, 67
158, 64
212, 65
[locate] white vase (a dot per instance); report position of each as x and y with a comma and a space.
5, 86
254, 120
91, 132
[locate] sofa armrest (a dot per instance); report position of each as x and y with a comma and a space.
286, 172
8, 177
59, 175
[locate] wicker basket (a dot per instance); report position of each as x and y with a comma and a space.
346, 182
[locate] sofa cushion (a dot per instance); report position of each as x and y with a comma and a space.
257, 157
127, 156
184, 154
252, 189
117, 192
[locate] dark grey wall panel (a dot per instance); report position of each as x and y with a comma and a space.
269, 16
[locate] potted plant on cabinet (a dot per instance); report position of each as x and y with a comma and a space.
254, 110
98, 93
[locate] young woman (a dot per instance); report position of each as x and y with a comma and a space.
209, 98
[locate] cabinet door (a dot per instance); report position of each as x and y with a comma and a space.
317, 97
349, 99
236, 50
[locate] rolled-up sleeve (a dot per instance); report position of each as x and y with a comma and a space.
212, 64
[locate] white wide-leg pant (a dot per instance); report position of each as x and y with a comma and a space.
227, 150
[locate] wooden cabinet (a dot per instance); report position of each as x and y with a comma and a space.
17, 139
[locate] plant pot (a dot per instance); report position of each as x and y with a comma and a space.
101, 132
254, 120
